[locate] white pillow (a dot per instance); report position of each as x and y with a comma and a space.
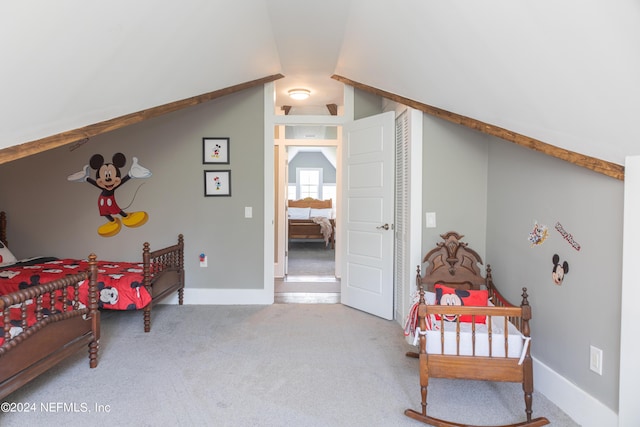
326, 213
6, 257
430, 298
299, 213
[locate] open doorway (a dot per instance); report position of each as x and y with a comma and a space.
312, 204
307, 191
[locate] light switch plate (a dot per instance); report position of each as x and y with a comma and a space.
248, 212
431, 219
595, 360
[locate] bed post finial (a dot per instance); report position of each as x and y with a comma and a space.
3, 228
525, 297
488, 280
421, 301
418, 278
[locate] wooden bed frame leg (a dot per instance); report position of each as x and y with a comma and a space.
147, 318
527, 387
93, 354
180, 296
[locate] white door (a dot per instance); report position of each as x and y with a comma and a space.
367, 211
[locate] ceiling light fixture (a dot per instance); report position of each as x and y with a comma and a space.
299, 94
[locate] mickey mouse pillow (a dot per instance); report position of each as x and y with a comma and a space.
450, 296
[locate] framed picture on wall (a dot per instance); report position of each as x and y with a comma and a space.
217, 183
215, 150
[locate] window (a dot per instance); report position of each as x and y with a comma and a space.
309, 183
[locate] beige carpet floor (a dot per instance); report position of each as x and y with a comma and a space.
311, 258
307, 365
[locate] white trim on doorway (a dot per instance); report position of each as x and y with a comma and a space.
271, 120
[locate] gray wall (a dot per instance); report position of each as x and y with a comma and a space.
50, 216
366, 104
312, 159
454, 182
526, 186
492, 192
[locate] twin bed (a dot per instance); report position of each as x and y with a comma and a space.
466, 329
312, 219
51, 307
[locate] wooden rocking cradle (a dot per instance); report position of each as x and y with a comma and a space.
496, 351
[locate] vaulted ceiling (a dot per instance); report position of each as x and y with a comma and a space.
565, 73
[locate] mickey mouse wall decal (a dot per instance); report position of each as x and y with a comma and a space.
559, 271
108, 179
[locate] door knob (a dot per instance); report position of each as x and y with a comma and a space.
383, 227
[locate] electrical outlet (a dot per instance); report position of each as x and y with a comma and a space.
595, 360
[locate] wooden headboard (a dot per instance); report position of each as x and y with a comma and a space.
452, 263
309, 202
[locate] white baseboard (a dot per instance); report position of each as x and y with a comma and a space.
200, 296
580, 406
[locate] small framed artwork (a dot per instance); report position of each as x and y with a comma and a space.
215, 150
217, 183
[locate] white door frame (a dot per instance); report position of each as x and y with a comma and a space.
272, 119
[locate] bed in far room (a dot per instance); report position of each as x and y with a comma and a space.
311, 218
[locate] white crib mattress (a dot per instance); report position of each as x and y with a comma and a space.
515, 340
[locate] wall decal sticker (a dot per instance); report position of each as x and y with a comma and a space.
568, 237
538, 235
108, 179
559, 271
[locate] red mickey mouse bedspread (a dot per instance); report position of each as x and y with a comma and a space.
120, 284
120, 287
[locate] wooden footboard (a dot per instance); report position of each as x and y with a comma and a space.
52, 324
307, 229
491, 364
163, 275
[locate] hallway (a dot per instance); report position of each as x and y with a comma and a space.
311, 277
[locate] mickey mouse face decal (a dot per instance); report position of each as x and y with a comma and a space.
450, 299
559, 271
